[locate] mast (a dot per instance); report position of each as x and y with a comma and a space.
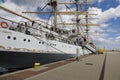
87, 29
55, 15
53, 4
77, 20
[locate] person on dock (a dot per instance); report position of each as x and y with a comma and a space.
77, 58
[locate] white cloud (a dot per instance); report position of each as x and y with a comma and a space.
118, 38
111, 30
104, 25
14, 7
110, 43
100, 1
110, 14
118, 1
101, 35
105, 16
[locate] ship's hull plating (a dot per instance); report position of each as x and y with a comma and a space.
17, 60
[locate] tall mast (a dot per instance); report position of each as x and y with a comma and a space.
87, 29
77, 13
77, 19
53, 4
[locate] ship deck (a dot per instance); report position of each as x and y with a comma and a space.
94, 67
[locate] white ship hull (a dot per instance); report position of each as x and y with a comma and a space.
16, 41
18, 50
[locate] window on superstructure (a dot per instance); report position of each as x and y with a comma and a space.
9, 37
39, 42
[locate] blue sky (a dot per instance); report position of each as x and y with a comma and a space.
111, 38
106, 4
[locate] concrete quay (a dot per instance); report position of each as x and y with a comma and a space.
94, 67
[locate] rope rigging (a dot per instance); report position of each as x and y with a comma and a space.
45, 5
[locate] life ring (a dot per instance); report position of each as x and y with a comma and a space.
4, 24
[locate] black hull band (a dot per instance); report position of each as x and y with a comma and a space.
17, 60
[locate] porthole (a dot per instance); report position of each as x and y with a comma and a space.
9, 37
24, 40
39, 42
14, 38
28, 40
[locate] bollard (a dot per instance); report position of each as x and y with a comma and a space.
100, 51
36, 65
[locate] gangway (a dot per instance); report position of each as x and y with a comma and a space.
88, 47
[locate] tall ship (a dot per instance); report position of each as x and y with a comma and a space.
32, 41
